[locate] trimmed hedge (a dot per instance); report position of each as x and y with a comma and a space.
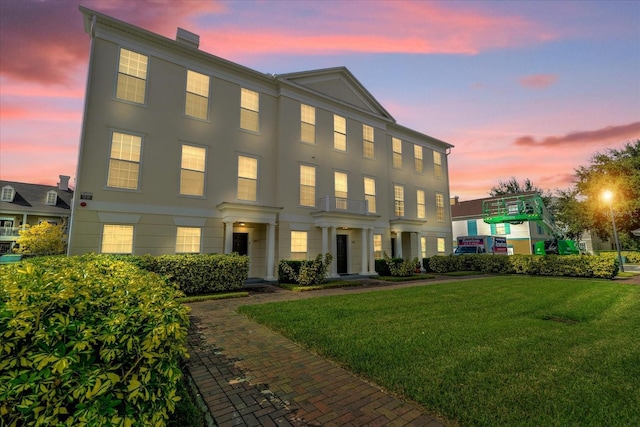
549, 265
632, 257
88, 340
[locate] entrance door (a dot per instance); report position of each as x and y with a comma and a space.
341, 253
241, 243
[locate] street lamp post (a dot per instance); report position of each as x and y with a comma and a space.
608, 196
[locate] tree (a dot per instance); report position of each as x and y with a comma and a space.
513, 187
618, 171
42, 239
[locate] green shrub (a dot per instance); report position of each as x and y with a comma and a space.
289, 275
88, 340
426, 266
399, 267
309, 272
632, 257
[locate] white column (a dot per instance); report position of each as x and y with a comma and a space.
419, 245
365, 253
333, 271
398, 244
228, 237
372, 258
271, 251
325, 241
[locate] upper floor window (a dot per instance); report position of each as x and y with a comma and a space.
398, 196
339, 133
422, 209
307, 185
249, 109
124, 162
417, 156
472, 227
502, 228
117, 239
439, 206
8, 193
370, 194
397, 153
132, 76
52, 198
197, 99
341, 189
188, 240
247, 178
307, 124
299, 245
367, 141
377, 246
192, 169
437, 164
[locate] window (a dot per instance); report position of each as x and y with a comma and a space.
192, 170
377, 246
339, 133
124, 162
249, 109
247, 178
472, 227
188, 240
52, 198
307, 124
307, 185
197, 100
132, 76
367, 141
439, 207
502, 228
423, 247
299, 245
117, 239
441, 245
420, 199
437, 164
370, 194
341, 190
8, 194
397, 153
417, 156
398, 195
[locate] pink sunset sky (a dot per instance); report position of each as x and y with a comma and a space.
522, 89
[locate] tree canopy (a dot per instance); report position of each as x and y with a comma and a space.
42, 239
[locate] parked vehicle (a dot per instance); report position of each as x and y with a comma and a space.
492, 245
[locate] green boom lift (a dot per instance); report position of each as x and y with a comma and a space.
525, 208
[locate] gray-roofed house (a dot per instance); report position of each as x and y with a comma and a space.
23, 203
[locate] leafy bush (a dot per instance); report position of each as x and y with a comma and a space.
42, 239
289, 275
632, 257
309, 272
426, 266
399, 267
88, 340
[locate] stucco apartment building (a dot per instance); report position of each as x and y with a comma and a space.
185, 152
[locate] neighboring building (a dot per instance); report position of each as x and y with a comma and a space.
23, 204
184, 152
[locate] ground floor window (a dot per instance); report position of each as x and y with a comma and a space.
117, 239
423, 246
299, 245
377, 246
441, 245
188, 240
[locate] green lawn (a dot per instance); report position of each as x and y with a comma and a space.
498, 351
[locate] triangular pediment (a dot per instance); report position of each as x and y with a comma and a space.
338, 84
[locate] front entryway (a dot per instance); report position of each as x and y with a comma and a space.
341, 253
241, 243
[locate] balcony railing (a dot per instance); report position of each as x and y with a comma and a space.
340, 204
9, 231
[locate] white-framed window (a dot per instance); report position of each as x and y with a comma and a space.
341, 189
117, 239
124, 161
307, 124
339, 133
299, 245
188, 240
8, 193
398, 196
421, 202
377, 246
439, 207
423, 247
192, 170
132, 76
437, 164
370, 194
249, 110
367, 141
417, 156
197, 97
247, 178
397, 153
307, 185
441, 244
52, 198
